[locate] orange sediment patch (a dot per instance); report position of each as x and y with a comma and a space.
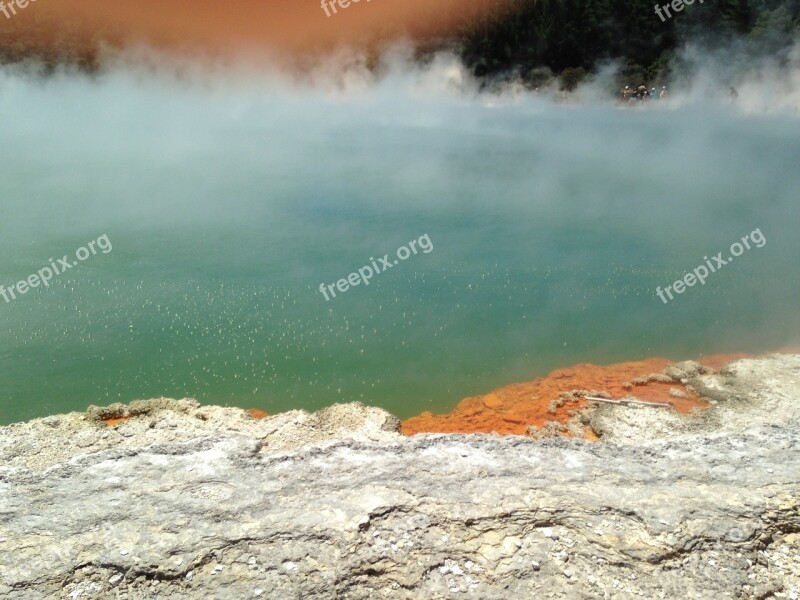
257, 414
112, 422
513, 408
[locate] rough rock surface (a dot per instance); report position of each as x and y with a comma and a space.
744, 394
45, 442
708, 509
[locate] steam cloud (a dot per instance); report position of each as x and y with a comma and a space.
553, 223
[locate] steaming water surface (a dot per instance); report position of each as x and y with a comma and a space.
228, 204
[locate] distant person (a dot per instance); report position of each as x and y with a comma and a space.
653, 94
734, 94
663, 94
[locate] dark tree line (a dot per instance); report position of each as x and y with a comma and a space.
572, 37
534, 38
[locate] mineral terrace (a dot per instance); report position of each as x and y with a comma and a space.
170, 499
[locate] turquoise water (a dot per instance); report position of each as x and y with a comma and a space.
228, 205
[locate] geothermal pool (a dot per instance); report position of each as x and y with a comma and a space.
229, 202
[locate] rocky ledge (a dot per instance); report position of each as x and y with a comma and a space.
170, 499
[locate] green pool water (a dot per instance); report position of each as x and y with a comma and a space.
227, 207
